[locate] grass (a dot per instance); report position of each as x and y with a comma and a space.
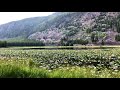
12, 71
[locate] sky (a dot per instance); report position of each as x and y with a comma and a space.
6, 17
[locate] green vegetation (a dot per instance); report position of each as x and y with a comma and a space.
94, 37
97, 35
88, 30
24, 42
91, 63
117, 24
13, 71
102, 43
117, 37
3, 43
66, 42
72, 31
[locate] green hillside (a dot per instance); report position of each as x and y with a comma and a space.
65, 27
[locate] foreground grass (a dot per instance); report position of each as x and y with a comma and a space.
21, 71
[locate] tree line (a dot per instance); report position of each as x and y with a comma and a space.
65, 42
26, 43
3, 43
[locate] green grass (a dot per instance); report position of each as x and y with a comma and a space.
13, 71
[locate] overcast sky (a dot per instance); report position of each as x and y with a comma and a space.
6, 17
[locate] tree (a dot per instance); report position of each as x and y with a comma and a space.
26, 43
72, 30
117, 37
102, 43
63, 41
88, 30
94, 37
77, 41
3, 43
85, 42
118, 26
70, 43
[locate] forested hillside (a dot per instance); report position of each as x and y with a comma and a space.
66, 28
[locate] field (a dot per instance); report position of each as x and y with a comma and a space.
60, 62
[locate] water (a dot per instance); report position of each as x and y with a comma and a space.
68, 48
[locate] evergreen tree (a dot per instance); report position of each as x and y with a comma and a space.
117, 37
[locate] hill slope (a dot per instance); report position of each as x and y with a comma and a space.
70, 25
